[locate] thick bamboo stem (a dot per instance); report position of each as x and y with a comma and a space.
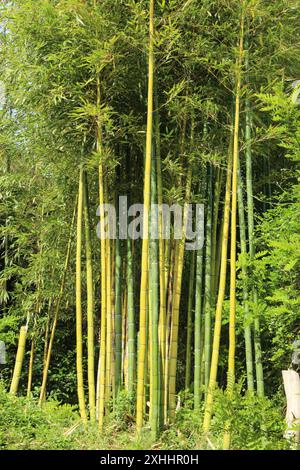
220, 301
79, 354
90, 302
131, 322
250, 211
19, 361
247, 325
145, 243
208, 281
232, 299
188, 361
102, 355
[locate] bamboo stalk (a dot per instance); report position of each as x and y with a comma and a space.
19, 361
220, 301
102, 355
90, 302
188, 360
154, 301
62, 288
108, 369
197, 339
250, 211
162, 254
176, 302
30, 368
118, 317
79, 355
216, 204
131, 321
171, 277
145, 243
247, 326
232, 299
208, 281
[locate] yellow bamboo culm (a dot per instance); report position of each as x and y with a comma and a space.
162, 262
220, 301
113, 323
90, 303
176, 301
79, 348
124, 373
108, 324
102, 355
145, 244
19, 361
232, 299
30, 369
169, 281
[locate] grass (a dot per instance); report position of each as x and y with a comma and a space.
26, 426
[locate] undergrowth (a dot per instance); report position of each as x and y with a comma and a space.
25, 425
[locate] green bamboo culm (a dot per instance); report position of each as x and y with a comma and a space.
220, 300
198, 349
131, 330
90, 302
178, 274
162, 262
176, 305
247, 323
233, 231
197, 327
208, 284
30, 367
188, 361
154, 299
118, 316
250, 210
79, 355
215, 225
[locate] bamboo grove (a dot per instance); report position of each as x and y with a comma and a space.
161, 102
